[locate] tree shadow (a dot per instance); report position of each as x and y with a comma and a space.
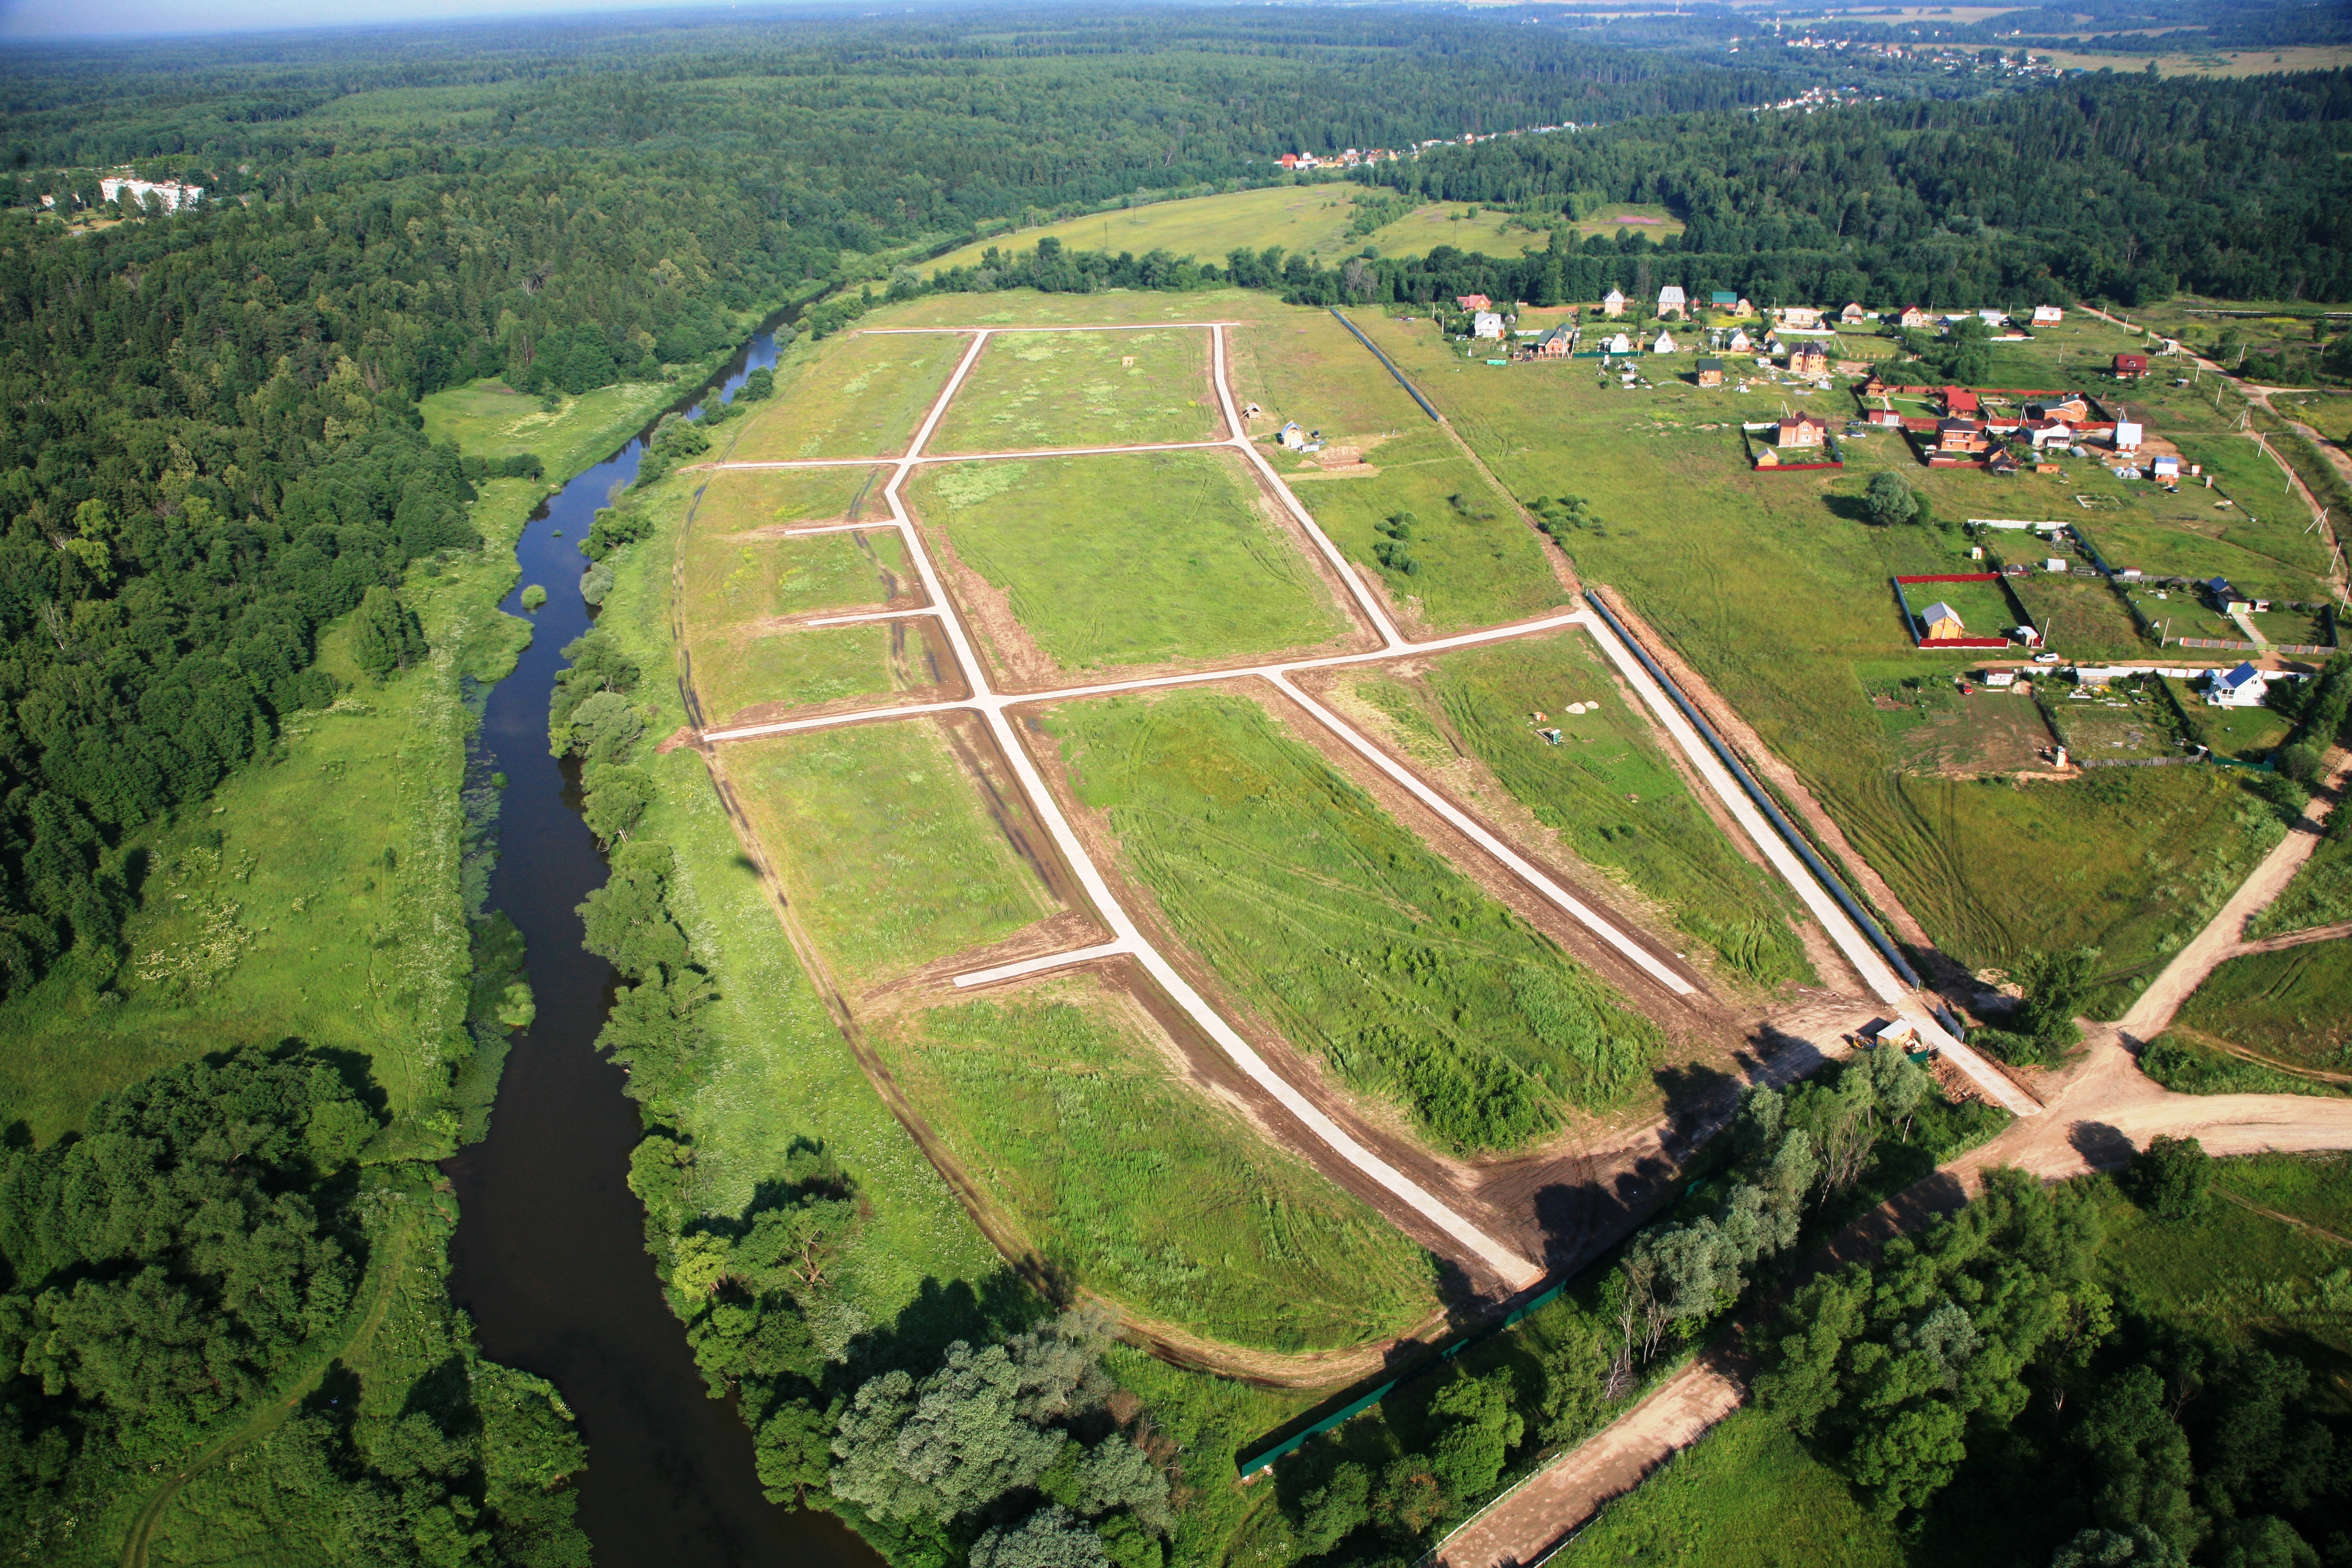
2102, 1148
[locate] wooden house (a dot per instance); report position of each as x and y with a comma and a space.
1710, 373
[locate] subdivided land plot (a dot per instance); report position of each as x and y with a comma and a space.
2081, 617
1069, 1107
1551, 730
857, 396
1352, 937
737, 571
1943, 732
898, 843
1083, 389
752, 677
2127, 720
1452, 552
1303, 368
1131, 559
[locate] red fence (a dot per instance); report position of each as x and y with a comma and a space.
1955, 577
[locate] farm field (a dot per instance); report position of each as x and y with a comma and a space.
1309, 219
886, 845
1607, 790
1339, 925
1072, 1110
1083, 389
855, 394
1136, 558
1775, 588
1451, 550
2221, 63
2288, 1006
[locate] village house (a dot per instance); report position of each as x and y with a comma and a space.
2070, 407
2244, 687
1612, 303
1723, 300
2165, 468
1620, 344
2050, 433
1739, 343
1665, 343
1743, 309
2048, 315
2002, 461
1473, 303
2131, 366
1808, 359
1710, 373
1291, 436
1801, 430
1670, 298
1853, 315
1557, 343
1941, 623
1486, 324
1959, 400
1959, 435
1911, 316
1799, 317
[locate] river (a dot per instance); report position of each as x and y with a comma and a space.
549, 1257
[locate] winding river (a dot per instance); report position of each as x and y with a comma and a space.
549, 1257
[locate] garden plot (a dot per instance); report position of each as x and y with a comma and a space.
1072, 1111
1131, 559
2081, 618
1551, 731
1452, 552
1947, 733
750, 676
2260, 560
856, 396
896, 843
1353, 938
1083, 389
1983, 608
2120, 724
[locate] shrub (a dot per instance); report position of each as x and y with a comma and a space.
2169, 1177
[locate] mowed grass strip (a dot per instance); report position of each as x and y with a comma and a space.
2293, 1006
1066, 1104
1351, 935
860, 395
1607, 790
1134, 558
884, 846
1083, 389
1775, 589
1452, 550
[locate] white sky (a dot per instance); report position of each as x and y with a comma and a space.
134, 18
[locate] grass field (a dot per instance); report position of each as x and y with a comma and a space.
1775, 588
2289, 1005
2222, 63
2081, 617
739, 500
2321, 893
732, 580
885, 843
1467, 559
487, 419
1984, 610
1072, 1110
1607, 790
1083, 389
1360, 944
1136, 558
1311, 219
853, 395
806, 667
2329, 413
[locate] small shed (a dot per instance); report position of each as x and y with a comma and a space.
1292, 436
2166, 467
2048, 315
1941, 623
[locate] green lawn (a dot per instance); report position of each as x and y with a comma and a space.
1073, 1113
1775, 587
1083, 389
883, 844
1607, 790
854, 395
487, 419
1355, 940
1135, 559
2321, 893
1467, 558
2289, 1005
1749, 1493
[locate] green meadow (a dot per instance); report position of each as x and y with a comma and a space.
2320, 894
1606, 790
489, 420
1347, 933
1074, 1113
1132, 559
